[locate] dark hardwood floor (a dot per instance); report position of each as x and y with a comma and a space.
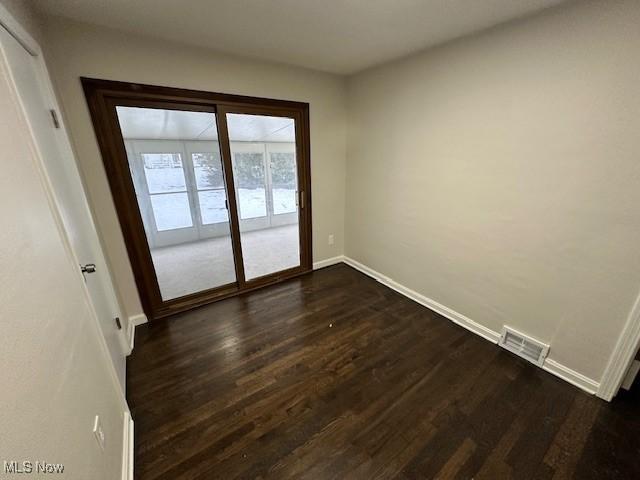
333, 375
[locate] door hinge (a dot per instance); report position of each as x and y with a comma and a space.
301, 198
54, 118
118, 324
88, 268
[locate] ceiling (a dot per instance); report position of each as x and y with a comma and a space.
338, 36
159, 124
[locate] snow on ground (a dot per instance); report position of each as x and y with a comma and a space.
284, 200
162, 180
172, 211
252, 203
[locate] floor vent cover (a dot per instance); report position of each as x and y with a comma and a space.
523, 346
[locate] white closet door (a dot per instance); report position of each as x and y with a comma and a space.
36, 96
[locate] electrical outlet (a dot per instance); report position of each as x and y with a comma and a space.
331, 240
98, 431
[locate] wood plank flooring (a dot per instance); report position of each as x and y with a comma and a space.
335, 376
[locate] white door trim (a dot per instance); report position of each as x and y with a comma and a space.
18, 32
22, 36
622, 356
127, 446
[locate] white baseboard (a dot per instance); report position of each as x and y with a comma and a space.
328, 262
565, 373
131, 333
139, 319
452, 315
127, 447
134, 321
568, 375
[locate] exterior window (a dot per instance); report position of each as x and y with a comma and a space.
250, 181
183, 187
283, 182
167, 187
210, 187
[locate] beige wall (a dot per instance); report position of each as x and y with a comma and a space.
498, 175
76, 49
22, 12
55, 372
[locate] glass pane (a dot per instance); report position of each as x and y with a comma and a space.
208, 169
270, 240
249, 176
172, 156
213, 208
284, 180
164, 172
171, 211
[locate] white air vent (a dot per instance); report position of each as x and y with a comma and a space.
523, 346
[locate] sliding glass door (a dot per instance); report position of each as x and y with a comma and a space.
264, 165
212, 191
181, 196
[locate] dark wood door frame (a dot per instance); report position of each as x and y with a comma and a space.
103, 96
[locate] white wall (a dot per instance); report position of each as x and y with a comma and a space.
75, 49
499, 174
55, 374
